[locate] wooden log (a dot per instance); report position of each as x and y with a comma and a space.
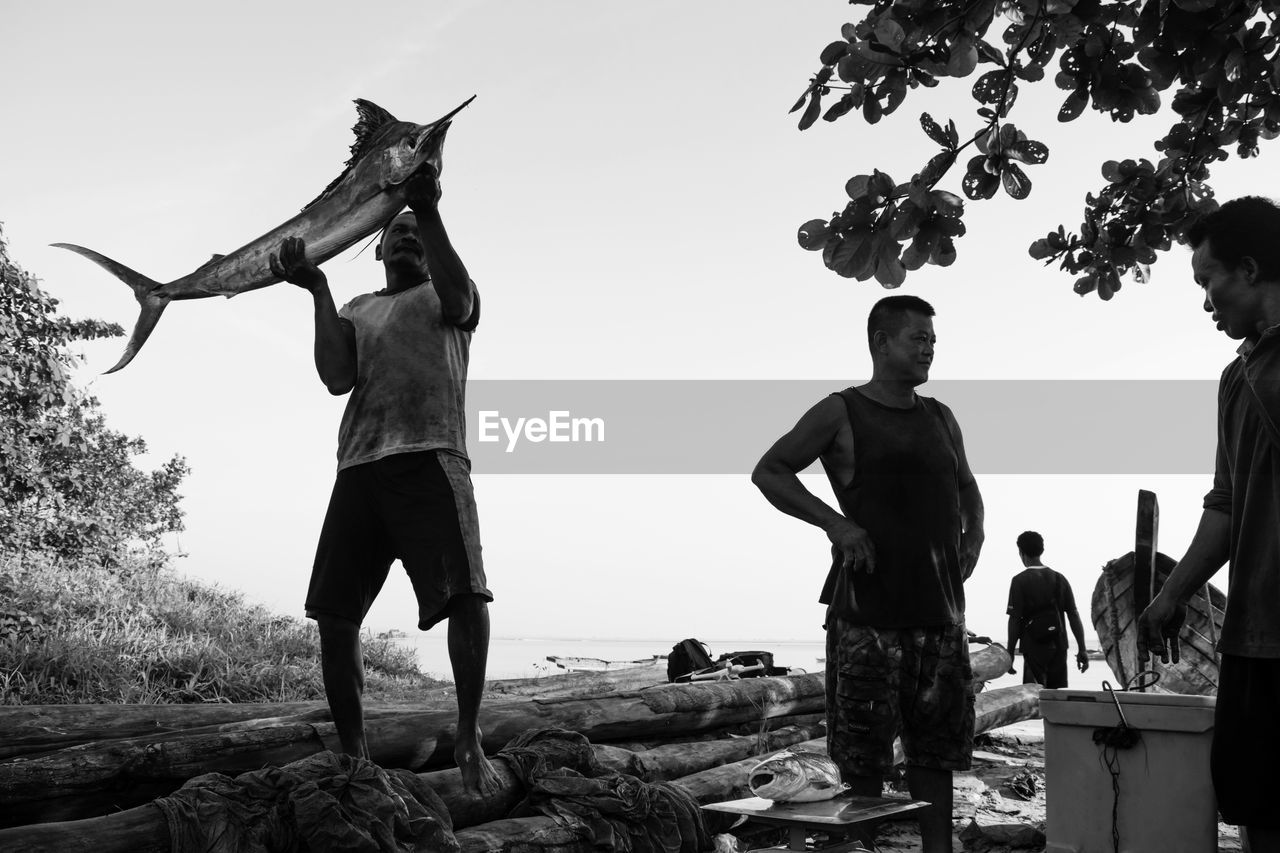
27, 729
990, 662
656, 765
993, 709
34, 729
751, 729
673, 761
92, 779
40, 728
582, 685
137, 830
469, 809
143, 828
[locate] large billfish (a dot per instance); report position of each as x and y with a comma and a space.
355, 205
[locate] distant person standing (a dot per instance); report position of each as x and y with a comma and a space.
1038, 599
906, 537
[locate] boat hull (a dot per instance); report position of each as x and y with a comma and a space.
576, 664
1114, 619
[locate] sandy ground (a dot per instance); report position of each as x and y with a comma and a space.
999, 804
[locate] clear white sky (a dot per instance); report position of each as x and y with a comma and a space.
625, 190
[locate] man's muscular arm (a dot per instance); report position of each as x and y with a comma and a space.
971, 508
775, 476
448, 274
335, 346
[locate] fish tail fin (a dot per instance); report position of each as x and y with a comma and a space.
144, 290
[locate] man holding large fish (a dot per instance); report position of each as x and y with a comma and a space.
1236, 260
403, 489
906, 537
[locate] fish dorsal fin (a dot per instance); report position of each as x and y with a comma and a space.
213, 259
370, 119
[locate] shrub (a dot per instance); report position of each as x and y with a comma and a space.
78, 631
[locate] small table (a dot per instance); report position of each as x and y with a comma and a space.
835, 815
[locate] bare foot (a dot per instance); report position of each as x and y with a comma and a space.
478, 774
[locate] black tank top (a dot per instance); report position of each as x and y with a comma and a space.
906, 494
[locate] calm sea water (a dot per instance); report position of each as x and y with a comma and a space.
527, 657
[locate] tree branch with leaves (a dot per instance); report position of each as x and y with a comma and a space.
1116, 57
68, 483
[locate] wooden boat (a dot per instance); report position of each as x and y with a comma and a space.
579, 664
1115, 619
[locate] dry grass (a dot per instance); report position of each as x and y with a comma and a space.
81, 633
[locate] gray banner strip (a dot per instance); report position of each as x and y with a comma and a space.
721, 427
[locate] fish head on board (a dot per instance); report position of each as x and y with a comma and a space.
796, 776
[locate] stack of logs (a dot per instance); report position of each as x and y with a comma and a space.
82, 778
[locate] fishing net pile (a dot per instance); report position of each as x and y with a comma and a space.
563, 781
337, 802
323, 802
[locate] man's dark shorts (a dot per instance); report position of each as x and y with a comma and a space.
886, 682
398, 507
1246, 742
1044, 663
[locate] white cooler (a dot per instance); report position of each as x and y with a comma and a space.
1166, 800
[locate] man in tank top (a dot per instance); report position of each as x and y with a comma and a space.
403, 489
1038, 598
906, 537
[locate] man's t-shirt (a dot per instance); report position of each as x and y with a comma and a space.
1246, 486
411, 375
1039, 590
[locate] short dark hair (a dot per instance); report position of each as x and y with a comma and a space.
889, 315
1248, 226
1031, 544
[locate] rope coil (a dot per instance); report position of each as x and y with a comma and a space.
1114, 739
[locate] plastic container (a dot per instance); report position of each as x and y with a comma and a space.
1166, 800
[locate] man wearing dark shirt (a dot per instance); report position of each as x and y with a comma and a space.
1038, 598
906, 537
1237, 262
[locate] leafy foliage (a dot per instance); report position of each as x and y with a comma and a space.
74, 631
68, 484
1117, 57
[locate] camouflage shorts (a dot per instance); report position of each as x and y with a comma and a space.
886, 682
